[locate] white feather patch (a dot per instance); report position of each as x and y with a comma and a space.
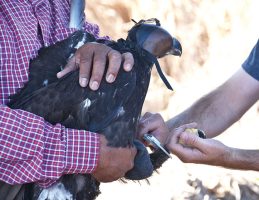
80, 43
121, 111
87, 103
55, 192
45, 82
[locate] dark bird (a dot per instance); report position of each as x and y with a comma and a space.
113, 110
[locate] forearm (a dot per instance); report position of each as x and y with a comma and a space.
222, 107
33, 150
242, 159
212, 114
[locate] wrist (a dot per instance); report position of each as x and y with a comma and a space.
228, 157
220, 154
101, 152
242, 159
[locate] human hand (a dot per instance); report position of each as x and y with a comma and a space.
113, 162
193, 149
153, 124
92, 58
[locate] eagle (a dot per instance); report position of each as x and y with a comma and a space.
113, 110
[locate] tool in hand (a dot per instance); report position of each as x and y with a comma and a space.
155, 143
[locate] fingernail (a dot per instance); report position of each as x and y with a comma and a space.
128, 67
94, 85
59, 74
83, 82
110, 78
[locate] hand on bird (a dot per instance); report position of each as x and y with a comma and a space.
113, 162
91, 59
192, 149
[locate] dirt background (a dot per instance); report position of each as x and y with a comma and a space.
216, 36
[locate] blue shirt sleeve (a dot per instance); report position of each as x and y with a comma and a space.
251, 64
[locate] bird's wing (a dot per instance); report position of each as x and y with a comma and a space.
51, 60
97, 109
52, 102
110, 100
66, 101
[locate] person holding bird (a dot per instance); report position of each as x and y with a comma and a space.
31, 149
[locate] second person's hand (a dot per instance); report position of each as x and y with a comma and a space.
153, 124
193, 149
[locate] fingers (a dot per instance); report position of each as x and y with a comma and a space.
153, 124
115, 60
92, 59
128, 61
188, 147
144, 125
176, 134
187, 155
99, 63
104, 55
191, 140
114, 65
184, 153
145, 116
71, 66
85, 63
122, 161
150, 122
187, 126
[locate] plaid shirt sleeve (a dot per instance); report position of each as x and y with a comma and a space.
34, 150
31, 149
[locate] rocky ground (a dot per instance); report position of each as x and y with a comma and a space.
216, 36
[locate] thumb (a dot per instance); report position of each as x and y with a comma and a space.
192, 140
70, 66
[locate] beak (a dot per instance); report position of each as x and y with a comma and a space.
176, 48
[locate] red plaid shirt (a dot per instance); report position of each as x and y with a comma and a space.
31, 149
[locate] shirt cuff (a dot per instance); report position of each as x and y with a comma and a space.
82, 151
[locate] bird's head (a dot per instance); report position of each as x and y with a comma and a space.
149, 35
